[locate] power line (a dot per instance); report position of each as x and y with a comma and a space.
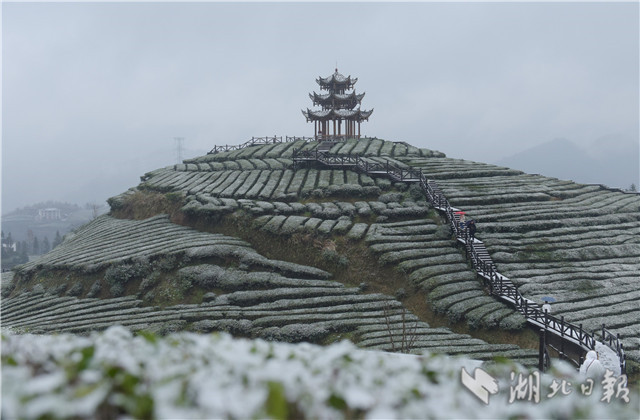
179, 142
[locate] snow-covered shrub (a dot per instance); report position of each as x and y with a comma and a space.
174, 288
254, 259
443, 232
346, 208
75, 289
166, 263
377, 206
260, 221
312, 224
324, 179
383, 183
209, 297
328, 211
343, 225
326, 226
149, 281
357, 231
117, 289
95, 289
390, 197
123, 273
293, 224
481, 317
273, 225
296, 333
398, 212
280, 192
265, 205
314, 208
515, 321
400, 293
363, 208
38, 288
400, 186
334, 257
204, 275
270, 185
371, 191
345, 190
282, 208
298, 208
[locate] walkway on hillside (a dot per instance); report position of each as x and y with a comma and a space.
499, 285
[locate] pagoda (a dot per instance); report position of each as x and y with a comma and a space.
338, 118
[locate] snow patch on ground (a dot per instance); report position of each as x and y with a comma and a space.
186, 375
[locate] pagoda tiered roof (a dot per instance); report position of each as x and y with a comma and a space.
336, 82
330, 114
338, 100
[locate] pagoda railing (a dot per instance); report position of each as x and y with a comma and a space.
499, 285
258, 141
335, 137
254, 141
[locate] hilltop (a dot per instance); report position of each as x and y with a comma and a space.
241, 241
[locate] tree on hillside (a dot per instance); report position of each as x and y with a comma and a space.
7, 246
633, 188
23, 257
9, 240
57, 240
46, 245
36, 246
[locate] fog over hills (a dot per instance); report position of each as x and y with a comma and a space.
611, 160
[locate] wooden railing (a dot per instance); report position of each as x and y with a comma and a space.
359, 163
614, 343
258, 141
499, 285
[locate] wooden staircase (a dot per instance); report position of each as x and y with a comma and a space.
499, 285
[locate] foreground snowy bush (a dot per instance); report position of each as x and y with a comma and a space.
115, 374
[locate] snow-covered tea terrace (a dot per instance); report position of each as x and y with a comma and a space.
184, 375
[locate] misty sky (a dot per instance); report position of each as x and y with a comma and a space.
93, 94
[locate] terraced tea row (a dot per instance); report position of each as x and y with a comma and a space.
266, 184
426, 253
139, 254
362, 146
287, 314
577, 243
204, 205
107, 241
287, 302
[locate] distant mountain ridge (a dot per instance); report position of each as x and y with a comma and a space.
563, 159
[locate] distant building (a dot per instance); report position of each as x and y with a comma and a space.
338, 108
49, 214
7, 246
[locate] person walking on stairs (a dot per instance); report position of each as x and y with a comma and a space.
471, 225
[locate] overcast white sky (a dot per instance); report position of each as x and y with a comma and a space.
94, 93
